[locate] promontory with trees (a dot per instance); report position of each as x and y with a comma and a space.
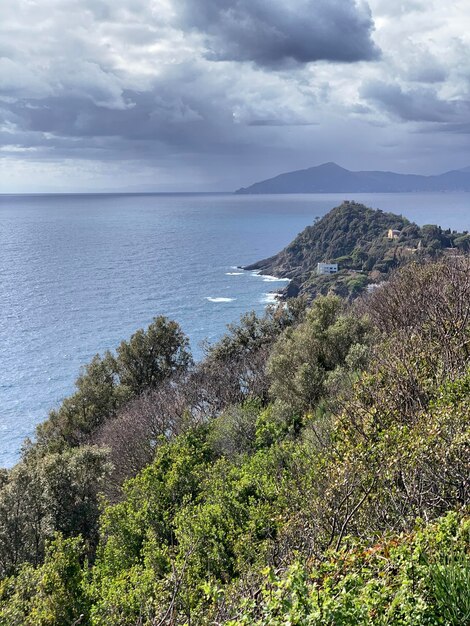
311, 469
366, 245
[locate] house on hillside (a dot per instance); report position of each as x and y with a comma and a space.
327, 268
393, 233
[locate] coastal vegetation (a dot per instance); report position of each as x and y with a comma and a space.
312, 469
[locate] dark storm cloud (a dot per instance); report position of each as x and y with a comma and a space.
456, 129
153, 120
139, 79
413, 105
278, 122
275, 33
225, 90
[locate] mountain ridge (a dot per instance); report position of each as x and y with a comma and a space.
332, 178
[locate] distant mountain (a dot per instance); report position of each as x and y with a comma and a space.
357, 239
331, 178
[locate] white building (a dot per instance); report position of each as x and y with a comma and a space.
327, 268
393, 233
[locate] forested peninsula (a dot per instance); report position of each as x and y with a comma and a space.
365, 244
311, 469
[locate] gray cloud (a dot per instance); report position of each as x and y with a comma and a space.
154, 125
426, 70
215, 94
277, 33
401, 7
278, 122
420, 104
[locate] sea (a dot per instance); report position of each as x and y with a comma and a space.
80, 273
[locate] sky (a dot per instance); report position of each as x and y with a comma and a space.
196, 95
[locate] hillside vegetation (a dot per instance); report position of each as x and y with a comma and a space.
356, 237
313, 469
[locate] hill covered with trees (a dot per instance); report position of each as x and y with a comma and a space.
312, 469
356, 238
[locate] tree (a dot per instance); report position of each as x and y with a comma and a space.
303, 356
97, 398
108, 383
150, 356
463, 243
43, 494
50, 595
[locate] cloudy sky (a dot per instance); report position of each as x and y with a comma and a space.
216, 94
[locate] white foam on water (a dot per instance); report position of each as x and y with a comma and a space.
220, 299
269, 298
267, 278
273, 279
234, 273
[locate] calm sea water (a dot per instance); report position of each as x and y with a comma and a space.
79, 273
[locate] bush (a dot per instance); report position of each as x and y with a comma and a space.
303, 357
396, 582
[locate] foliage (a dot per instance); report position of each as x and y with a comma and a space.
97, 397
108, 383
233, 373
53, 594
150, 356
394, 582
45, 494
253, 332
282, 480
303, 357
234, 432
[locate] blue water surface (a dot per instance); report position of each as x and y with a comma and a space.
79, 273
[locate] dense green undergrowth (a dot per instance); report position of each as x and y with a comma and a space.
422, 577
312, 469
